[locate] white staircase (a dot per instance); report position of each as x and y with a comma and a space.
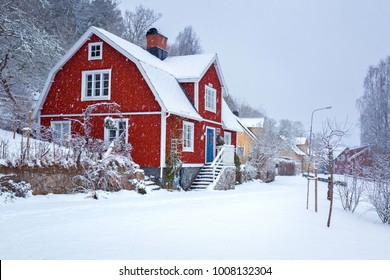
149, 182
210, 172
206, 176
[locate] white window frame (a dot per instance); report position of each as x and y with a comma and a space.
188, 136
84, 85
116, 122
227, 138
210, 99
91, 55
62, 134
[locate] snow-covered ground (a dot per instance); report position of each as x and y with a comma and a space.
255, 221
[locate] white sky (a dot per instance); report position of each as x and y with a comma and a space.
287, 57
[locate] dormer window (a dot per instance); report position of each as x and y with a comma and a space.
210, 99
95, 51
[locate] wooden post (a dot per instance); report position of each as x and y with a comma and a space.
29, 131
315, 190
307, 196
14, 128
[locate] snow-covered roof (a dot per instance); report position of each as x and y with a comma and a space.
253, 122
189, 66
163, 77
246, 129
300, 140
298, 151
170, 92
229, 120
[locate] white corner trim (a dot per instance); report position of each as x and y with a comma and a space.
196, 95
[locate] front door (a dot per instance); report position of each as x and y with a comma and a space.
209, 145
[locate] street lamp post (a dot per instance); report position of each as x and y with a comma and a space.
310, 148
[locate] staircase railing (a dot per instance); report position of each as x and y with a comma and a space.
225, 156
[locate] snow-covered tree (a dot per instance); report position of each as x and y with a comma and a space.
291, 129
266, 150
374, 106
26, 55
244, 109
137, 23
107, 15
187, 43
330, 139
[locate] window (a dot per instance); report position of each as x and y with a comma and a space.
210, 99
116, 129
96, 85
95, 51
227, 138
188, 137
60, 130
240, 151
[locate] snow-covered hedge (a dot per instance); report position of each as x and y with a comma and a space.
94, 164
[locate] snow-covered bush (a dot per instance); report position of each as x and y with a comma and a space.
350, 192
11, 190
379, 197
103, 174
248, 173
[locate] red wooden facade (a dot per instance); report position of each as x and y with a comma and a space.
356, 162
150, 126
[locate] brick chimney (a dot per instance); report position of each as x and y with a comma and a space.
156, 43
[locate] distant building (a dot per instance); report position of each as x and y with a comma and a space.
356, 161
246, 139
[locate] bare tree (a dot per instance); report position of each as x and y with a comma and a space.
331, 137
137, 23
187, 43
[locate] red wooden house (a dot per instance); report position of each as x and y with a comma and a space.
356, 162
161, 99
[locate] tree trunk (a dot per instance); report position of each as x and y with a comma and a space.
330, 185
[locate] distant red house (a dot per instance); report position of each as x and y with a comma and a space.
356, 161
161, 98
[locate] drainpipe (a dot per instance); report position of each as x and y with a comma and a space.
163, 141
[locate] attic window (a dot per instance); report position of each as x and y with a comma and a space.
95, 51
210, 99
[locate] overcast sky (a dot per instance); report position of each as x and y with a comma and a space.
287, 57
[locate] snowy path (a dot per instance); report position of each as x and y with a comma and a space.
256, 221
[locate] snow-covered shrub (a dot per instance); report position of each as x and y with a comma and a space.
103, 174
173, 166
11, 190
248, 173
237, 163
350, 192
379, 197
